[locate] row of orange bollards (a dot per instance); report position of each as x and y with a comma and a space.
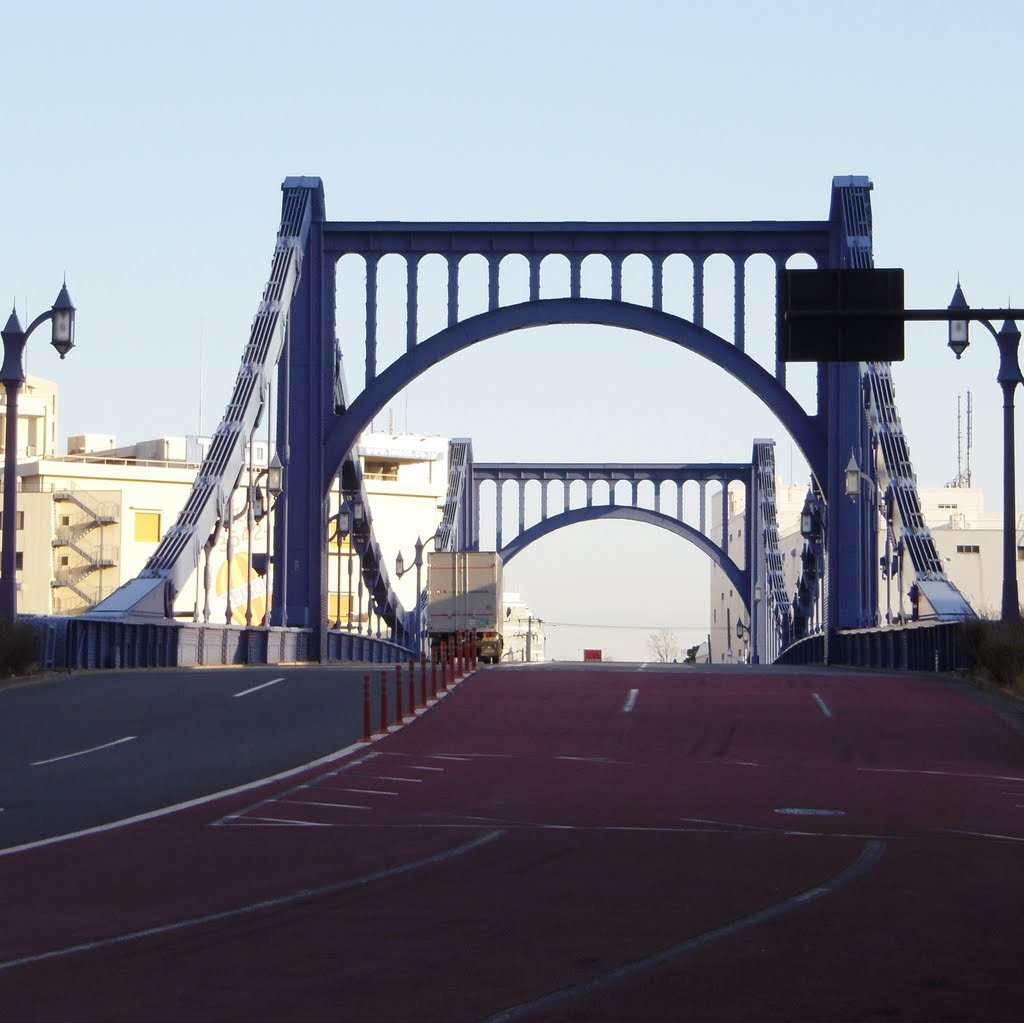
454, 663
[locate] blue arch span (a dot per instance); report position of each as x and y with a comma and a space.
547, 312
740, 578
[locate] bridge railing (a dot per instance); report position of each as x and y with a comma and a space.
915, 646
79, 643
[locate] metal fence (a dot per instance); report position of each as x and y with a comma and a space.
81, 643
916, 646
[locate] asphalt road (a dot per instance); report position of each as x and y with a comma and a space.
84, 750
567, 843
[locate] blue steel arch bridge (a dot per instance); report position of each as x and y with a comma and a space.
291, 385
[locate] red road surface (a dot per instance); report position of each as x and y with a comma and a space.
567, 843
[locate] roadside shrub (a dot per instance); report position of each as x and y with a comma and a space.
19, 649
996, 650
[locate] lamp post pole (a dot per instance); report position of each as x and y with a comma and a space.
12, 375
1008, 339
1008, 377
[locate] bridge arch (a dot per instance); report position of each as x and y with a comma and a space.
802, 427
739, 577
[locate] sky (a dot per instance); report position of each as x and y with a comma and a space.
147, 145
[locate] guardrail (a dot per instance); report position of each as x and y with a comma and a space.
82, 643
915, 646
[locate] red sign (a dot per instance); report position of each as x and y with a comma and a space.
591, 655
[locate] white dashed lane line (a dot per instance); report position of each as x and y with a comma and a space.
627, 707
391, 777
262, 685
825, 709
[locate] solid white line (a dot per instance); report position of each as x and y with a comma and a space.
368, 792
82, 752
391, 777
627, 707
289, 821
984, 834
412, 767
306, 895
188, 804
272, 682
945, 774
823, 705
339, 806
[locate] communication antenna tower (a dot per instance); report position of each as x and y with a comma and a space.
963, 449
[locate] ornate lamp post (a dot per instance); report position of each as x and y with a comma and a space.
349, 520
1008, 377
12, 375
417, 563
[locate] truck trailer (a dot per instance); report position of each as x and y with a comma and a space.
464, 595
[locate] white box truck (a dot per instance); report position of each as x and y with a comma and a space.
464, 595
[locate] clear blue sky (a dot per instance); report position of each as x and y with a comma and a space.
146, 145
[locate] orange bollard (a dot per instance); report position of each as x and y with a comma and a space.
383, 701
398, 692
460, 642
444, 664
423, 677
412, 686
433, 678
473, 664
366, 709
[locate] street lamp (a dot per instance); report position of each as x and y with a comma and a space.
1008, 377
254, 510
12, 375
417, 563
350, 517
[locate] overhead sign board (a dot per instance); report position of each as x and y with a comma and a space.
840, 315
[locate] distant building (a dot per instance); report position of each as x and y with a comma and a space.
524, 631
89, 520
967, 538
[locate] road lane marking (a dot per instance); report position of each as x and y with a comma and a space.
256, 689
391, 777
945, 774
444, 756
99, 829
338, 806
869, 856
413, 767
983, 834
368, 792
627, 707
287, 820
82, 752
822, 704
807, 811
305, 895
591, 760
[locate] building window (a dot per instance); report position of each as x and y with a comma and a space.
968, 548
147, 527
19, 560
65, 520
21, 520
64, 561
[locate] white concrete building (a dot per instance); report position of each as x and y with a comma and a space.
89, 520
967, 538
